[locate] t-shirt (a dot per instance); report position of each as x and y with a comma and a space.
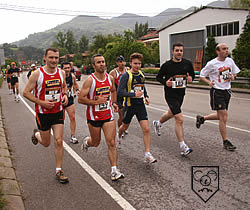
219, 71
15, 72
178, 71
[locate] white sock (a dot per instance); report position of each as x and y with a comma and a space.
58, 169
159, 122
182, 144
113, 169
37, 133
147, 153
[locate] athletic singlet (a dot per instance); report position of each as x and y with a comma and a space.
100, 111
69, 83
49, 87
118, 76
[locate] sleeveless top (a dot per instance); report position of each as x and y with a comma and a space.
69, 83
49, 87
100, 111
118, 76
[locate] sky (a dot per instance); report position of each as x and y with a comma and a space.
16, 25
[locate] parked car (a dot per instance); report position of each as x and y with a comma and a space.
78, 73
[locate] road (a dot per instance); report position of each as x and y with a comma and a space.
164, 185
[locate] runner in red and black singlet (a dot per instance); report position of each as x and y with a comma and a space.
50, 96
99, 94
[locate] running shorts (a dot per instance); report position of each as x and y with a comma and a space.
175, 103
70, 102
13, 81
138, 110
45, 121
8, 80
219, 99
99, 123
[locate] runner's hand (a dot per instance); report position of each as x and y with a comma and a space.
64, 100
138, 94
147, 101
211, 84
189, 78
169, 82
116, 108
48, 104
101, 99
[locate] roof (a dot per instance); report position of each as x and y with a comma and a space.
72, 55
180, 18
150, 35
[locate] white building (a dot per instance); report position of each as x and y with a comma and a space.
225, 24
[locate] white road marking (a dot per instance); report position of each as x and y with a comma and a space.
111, 191
211, 122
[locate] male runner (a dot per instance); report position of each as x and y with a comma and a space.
70, 108
174, 75
7, 74
99, 94
49, 98
116, 73
132, 87
14, 74
33, 68
221, 70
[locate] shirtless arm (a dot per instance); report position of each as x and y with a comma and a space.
114, 95
75, 85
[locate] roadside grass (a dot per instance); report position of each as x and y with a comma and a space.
1, 81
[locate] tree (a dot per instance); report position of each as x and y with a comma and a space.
70, 42
83, 44
210, 52
241, 53
140, 30
61, 39
242, 4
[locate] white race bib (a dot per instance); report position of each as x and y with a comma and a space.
102, 107
179, 81
138, 87
53, 95
225, 75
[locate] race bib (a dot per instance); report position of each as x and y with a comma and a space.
225, 75
103, 107
179, 81
138, 87
54, 95
15, 74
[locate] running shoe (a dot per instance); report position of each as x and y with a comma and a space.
61, 178
118, 141
10, 92
33, 137
17, 99
116, 175
228, 145
150, 159
185, 150
74, 140
85, 145
157, 126
199, 120
14, 98
125, 132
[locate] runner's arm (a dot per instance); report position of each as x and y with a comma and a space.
114, 95
75, 84
161, 76
122, 88
64, 91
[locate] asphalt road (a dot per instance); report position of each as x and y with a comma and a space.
164, 185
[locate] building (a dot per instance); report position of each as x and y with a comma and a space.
225, 24
150, 37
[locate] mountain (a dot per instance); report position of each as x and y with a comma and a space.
93, 25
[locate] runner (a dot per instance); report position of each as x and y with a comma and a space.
116, 73
98, 93
8, 78
174, 75
14, 74
70, 108
50, 96
132, 87
221, 70
33, 68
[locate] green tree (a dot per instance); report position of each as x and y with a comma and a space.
241, 53
78, 60
140, 30
242, 4
210, 52
70, 42
61, 39
83, 44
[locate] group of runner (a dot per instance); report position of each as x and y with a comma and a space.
122, 90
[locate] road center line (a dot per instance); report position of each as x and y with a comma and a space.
111, 191
194, 118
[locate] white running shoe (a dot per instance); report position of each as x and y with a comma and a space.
185, 150
150, 159
85, 145
157, 126
17, 99
116, 175
125, 132
10, 92
118, 141
74, 140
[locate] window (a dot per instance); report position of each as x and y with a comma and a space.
213, 30
230, 28
218, 30
224, 29
209, 31
236, 27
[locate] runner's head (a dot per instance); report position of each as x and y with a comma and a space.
66, 67
33, 66
98, 63
13, 65
177, 51
135, 61
120, 62
222, 51
51, 57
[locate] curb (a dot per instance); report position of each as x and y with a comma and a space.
8, 181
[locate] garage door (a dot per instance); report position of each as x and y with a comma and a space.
192, 41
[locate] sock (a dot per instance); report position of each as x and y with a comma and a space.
58, 169
147, 153
36, 134
182, 144
113, 169
159, 122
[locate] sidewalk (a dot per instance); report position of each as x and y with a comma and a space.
8, 182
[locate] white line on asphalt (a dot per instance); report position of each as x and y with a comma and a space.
239, 129
111, 191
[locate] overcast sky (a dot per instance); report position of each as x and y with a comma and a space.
16, 25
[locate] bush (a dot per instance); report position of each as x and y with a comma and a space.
244, 73
151, 70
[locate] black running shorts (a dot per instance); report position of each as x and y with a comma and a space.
45, 121
175, 103
219, 99
99, 123
70, 102
13, 81
8, 80
138, 110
